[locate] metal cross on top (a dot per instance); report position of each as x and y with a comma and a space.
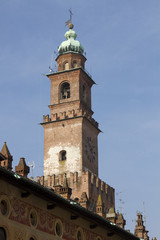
69, 22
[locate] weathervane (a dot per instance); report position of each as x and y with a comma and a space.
69, 22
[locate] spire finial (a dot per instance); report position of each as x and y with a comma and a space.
69, 22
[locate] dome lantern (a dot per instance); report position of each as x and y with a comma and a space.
70, 45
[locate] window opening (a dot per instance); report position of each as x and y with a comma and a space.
75, 64
2, 234
66, 66
62, 156
3, 207
79, 235
65, 91
33, 218
58, 229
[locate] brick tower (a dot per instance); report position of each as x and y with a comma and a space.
70, 132
140, 230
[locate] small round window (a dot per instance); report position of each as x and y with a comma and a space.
58, 228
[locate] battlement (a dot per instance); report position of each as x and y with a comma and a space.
84, 182
75, 177
69, 114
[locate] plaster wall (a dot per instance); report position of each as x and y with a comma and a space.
58, 136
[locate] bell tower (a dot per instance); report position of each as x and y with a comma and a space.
70, 132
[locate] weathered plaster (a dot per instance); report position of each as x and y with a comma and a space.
52, 165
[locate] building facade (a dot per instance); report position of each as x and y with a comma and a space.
29, 211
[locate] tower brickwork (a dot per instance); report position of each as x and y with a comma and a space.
70, 131
70, 128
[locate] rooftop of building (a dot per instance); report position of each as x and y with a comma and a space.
30, 187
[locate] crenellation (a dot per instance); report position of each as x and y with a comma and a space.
49, 181
54, 117
71, 178
92, 178
47, 118
97, 181
102, 186
79, 183
53, 180
44, 118
75, 177
86, 176
106, 188
79, 112
63, 178
69, 114
62, 115
60, 179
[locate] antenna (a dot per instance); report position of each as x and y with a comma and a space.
144, 213
50, 69
52, 60
55, 52
32, 166
121, 202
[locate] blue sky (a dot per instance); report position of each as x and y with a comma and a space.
121, 39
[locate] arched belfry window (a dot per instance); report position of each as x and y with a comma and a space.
66, 66
75, 64
2, 234
62, 155
65, 91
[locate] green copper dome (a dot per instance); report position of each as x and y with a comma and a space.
70, 45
